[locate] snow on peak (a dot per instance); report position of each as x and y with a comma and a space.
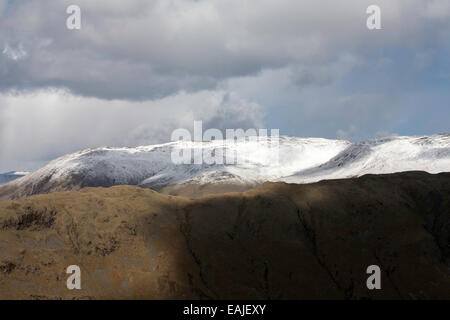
298, 160
153, 165
380, 156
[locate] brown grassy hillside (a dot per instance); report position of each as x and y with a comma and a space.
277, 241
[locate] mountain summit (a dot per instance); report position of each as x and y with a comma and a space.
298, 160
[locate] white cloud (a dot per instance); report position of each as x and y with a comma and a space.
348, 134
385, 134
14, 53
37, 127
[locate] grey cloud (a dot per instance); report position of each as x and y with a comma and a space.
149, 49
233, 110
138, 69
40, 126
324, 74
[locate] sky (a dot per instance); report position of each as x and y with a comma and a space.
137, 70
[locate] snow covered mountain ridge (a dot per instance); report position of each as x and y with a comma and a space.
300, 160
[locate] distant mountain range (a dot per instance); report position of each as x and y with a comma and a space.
300, 160
10, 176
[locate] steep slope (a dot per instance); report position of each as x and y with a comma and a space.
278, 241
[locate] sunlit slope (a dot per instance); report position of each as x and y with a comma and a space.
290, 159
152, 166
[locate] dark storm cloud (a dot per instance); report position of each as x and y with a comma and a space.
151, 49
